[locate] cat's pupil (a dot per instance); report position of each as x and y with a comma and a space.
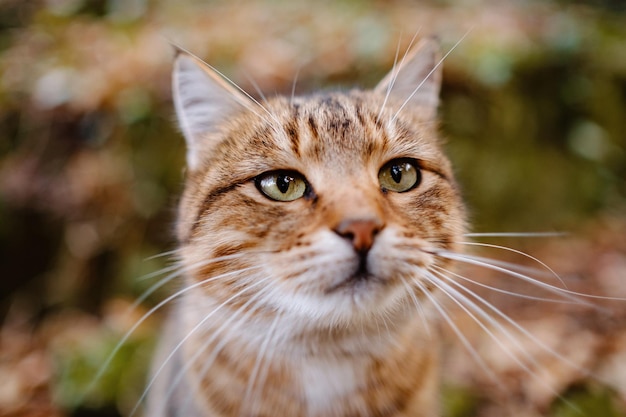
396, 173
282, 182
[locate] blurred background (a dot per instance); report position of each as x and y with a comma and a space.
91, 164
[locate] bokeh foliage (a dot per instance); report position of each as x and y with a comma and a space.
533, 108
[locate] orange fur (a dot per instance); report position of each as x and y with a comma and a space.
302, 317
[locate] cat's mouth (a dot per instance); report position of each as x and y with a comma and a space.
351, 282
361, 276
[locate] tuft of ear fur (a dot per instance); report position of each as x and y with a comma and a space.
204, 100
416, 80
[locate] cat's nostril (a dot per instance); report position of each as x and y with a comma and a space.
361, 232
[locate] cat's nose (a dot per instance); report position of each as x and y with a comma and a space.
361, 232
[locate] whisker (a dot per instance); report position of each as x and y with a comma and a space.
224, 339
518, 327
395, 70
262, 376
465, 301
500, 290
233, 84
418, 305
222, 342
522, 269
192, 331
162, 254
158, 272
181, 269
517, 234
188, 335
524, 332
430, 73
300, 269
519, 252
466, 344
259, 358
256, 87
466, 304
143, 318
490, 264
293, 86
153, 288
384, 318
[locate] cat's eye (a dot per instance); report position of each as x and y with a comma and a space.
281, 185
399, 175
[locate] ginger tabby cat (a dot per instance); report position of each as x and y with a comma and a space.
309, 230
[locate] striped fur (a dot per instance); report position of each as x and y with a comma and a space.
281, 313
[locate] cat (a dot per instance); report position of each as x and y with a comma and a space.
311, 231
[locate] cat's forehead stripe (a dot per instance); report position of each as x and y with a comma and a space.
348, 128
325, 125
331, 131
292, 127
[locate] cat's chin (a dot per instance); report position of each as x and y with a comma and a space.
364, 295
355, 282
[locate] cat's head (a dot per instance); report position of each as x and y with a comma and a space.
326, 206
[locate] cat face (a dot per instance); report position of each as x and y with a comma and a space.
325, 207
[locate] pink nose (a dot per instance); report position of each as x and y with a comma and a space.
361, 232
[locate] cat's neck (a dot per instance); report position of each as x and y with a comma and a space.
291, 335
322, 368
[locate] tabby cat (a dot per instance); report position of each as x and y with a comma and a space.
311, 231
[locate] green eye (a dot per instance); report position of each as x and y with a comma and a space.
281, 185
399, 175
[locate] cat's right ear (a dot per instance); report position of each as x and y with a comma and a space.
203, 100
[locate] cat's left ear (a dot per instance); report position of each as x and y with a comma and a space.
416, 80
204, 100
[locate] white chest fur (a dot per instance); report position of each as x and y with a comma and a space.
325, 382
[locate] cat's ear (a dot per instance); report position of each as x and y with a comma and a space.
416, 79
203, 100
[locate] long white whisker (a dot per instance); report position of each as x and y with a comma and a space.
159, 272
395, 70
232, 83
522, 269
256, 87
259, 360
500, 290
418, 305
143, 318
517, 326
466, 304
301, 268
293, 86
430, 73
180, 270
463, 300
162, 254
384, 317
260, 92
516, 234
488, 263
519, 252
255, 101
265, 367
191, 333
456, 330
222, 342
